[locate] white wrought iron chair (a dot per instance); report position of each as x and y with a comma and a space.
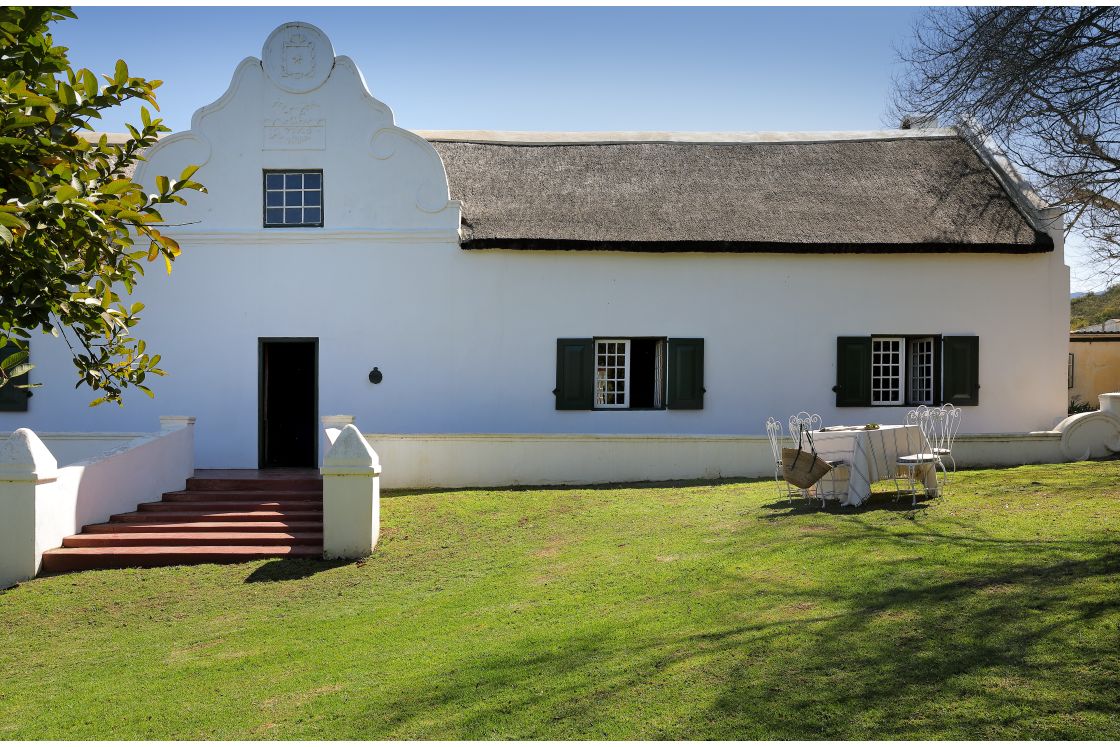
774, 432
944, 423
926, 458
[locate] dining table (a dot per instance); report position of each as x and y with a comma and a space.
872, 455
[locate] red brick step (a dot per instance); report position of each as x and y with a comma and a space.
181, 539
81, 558
262, 505
257, 484
224, 516
209, 515
186, 496
158, 525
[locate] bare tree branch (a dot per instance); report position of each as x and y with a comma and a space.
1044, 84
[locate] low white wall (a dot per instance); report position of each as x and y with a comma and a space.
87, 492
1008, 449
69, 448
91, 491
468, 460
490, 460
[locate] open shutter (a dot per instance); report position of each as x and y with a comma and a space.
961, 364
853, 371
575, 374
13, 399
686, 374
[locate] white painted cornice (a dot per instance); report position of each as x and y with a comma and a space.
314, 235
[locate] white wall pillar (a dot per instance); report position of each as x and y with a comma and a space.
332, 426
27, 468
351, 496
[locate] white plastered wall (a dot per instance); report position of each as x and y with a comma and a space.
466, 340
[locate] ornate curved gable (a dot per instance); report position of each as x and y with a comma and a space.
300, 107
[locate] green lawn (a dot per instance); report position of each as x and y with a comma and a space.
658, 611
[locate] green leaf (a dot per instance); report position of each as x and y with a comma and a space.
12, 360
188, 172
163, 184
120, 73
12, 221
20, 370
66, 94
89, 83
65, 192
116, 186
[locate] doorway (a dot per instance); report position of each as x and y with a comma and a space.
288, 386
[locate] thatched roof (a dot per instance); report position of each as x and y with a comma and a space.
905, 193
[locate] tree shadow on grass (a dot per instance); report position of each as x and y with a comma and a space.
996, 648
884, 500
292, 569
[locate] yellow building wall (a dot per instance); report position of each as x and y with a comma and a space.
1096, 368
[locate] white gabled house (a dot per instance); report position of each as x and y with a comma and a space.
567, 302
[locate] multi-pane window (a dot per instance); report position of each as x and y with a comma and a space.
293, 198
629, 373
921, 370
612, 367
886, 370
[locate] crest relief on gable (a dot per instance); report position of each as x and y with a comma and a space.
298, 57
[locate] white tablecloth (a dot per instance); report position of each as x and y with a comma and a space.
873, 456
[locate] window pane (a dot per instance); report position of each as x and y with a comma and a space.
293, 215
293, 199
274, 215
886, 371
274, 181
274, 199
312, 181
311, 197
293, 181
312, 215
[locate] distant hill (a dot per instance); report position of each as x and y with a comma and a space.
1094, 308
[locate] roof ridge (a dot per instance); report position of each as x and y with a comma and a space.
591, 137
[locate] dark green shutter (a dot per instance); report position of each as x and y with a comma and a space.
961, 380
853, 371
575, 374
13, 399
685, 382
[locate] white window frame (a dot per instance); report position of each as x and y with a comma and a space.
601, 379
914, 368
877, 374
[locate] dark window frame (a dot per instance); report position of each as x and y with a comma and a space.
322, 198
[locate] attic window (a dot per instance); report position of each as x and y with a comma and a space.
293, 198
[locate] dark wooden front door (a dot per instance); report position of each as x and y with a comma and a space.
288, 402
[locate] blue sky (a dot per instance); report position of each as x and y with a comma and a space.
540, 68
543, 68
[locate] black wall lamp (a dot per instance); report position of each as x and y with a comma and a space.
375, 376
